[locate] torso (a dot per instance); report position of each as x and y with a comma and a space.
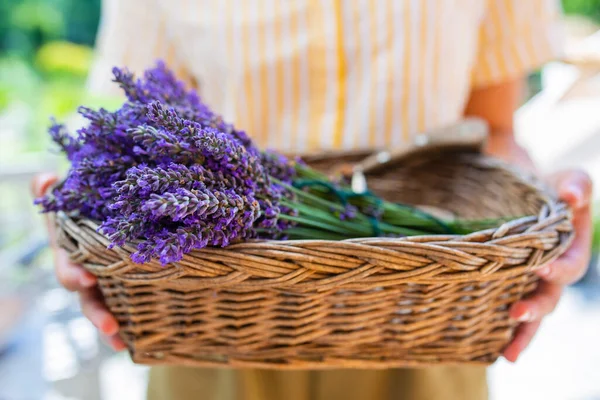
314, 74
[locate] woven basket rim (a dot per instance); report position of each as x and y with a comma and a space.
552, 208
551, 220
559, 207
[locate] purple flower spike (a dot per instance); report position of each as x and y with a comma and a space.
165, 171
60, 136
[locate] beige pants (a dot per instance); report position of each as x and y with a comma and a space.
438, 383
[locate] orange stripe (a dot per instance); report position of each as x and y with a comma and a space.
483, 71
126, 53
263, 104
548, 14
159, 46
406, 72
228, 29
278, 67
390, 81
295, 60
533, 46
341, 75
231, 56
519, 63
169, 56
436, 66
249, 89
317, 65
528, 42
238, 107
500, 30
375, 50
422, 64
358, 65
184, 75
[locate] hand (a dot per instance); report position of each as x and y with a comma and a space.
76, 279
575, 188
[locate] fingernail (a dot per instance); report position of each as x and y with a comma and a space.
41, 183
544, 271
109, 327
577, 194
87, 281
525, 317
120, 346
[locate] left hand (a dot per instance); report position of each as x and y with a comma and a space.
575, 188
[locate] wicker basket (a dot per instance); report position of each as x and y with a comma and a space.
369, 303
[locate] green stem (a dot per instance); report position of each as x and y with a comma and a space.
308, 233
310, 173
395, 214
361, 225
308, 196
358, 225
366, 225
318, 205
317, 224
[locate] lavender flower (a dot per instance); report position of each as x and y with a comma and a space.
215, 144
166, 171
181, 204
120, 229
224, 215
60, 135
160, 144
160, 85
74, 195
349, 212
142, 180
278, 166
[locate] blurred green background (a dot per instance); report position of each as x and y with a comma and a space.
45, 54
587, 8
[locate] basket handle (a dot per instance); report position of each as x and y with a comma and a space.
468, 135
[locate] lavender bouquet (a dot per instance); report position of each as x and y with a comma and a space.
167, 173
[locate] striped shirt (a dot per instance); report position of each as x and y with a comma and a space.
302, 75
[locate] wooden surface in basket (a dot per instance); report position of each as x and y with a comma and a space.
371, 302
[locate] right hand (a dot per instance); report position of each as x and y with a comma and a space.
75, 278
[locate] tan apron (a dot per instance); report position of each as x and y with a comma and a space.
436, 383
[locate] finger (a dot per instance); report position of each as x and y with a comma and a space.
574, 187
72, 276
94, 309
39, 186
523, 336
115, 342
540, 304
41, 183
571, 266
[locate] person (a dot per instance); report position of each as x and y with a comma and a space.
313, 75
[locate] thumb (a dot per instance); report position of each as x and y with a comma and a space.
41, 183
573, 187
39, 186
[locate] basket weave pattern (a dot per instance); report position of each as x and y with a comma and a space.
371, 302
